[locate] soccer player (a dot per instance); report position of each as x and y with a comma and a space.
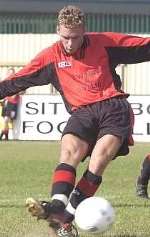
81, 66
143, 178
9, 109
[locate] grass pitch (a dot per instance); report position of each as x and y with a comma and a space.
26, 169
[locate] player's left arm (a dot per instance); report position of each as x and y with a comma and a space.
128, 49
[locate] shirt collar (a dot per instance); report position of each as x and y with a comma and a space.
79, 54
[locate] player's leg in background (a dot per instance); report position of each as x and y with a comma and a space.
5, 129
143, 179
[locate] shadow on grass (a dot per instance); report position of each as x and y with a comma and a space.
12, 206
6, 205
132, 205
123, 235
119, 235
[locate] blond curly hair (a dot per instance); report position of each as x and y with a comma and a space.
71, 16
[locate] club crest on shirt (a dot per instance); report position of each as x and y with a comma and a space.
64, 64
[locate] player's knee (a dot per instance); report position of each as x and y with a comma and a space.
71, 154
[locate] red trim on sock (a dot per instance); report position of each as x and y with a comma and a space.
64, 176
87, 187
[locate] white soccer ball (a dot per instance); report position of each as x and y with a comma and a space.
94, 214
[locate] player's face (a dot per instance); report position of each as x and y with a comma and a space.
71, 39
10, 72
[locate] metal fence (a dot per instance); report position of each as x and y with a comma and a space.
13, 23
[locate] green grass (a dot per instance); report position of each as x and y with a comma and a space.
26, 169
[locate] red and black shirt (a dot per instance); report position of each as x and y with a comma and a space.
88, 75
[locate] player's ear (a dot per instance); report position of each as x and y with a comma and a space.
57, 29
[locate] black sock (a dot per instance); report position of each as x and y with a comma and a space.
145, 171
63, 184
86, 187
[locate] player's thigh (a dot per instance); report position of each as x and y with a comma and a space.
73, 149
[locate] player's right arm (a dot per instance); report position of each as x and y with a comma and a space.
37, 73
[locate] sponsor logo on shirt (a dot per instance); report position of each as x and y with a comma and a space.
63, 64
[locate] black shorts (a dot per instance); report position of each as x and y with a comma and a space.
112, 116
9, 110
